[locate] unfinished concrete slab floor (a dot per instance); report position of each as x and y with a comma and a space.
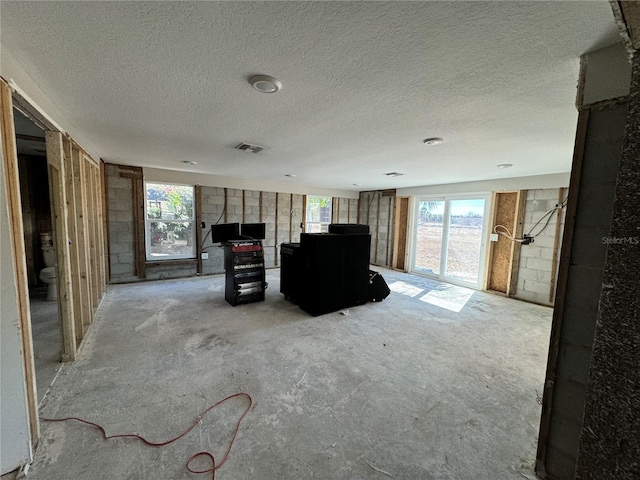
45, 328
404, 389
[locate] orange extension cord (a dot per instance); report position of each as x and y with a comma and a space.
214, 467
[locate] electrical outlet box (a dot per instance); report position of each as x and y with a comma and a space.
204, 255
494, 237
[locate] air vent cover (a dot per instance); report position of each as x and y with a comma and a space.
394, 174
246, 147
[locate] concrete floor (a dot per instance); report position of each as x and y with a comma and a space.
406, 389
45, 328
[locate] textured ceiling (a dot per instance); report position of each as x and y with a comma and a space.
157, 83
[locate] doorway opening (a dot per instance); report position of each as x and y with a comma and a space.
39, 251
450, 238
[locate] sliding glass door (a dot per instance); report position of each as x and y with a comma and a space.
449, 240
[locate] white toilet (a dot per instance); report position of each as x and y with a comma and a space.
48, 274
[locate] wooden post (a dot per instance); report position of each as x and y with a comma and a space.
74, 245
389, 230
99, 193
82, 240
375, 254
291, 218
275, 247
226, 203
105, 224
244, 206
260, 207
556, 244
93, 256
304, 213
12, 181
55, 159
517, 246
198, 226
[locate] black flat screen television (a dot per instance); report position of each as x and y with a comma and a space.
223, 232
253, 230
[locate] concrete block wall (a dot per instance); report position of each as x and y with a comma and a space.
212, 204
593, 220
377, 211
284, 210
536, 272
345, 210
120, 225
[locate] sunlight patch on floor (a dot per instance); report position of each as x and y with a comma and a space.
405, 289
451, 297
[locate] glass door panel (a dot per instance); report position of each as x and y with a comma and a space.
464, 239
429, 236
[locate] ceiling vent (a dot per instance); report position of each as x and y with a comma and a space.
394, 174
245, 147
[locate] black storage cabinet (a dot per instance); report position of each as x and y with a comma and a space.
290, 270
322, 273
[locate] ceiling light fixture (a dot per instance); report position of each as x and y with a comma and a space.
189, 162
290, 175
505, 165
357, 184
433, 141
265, 83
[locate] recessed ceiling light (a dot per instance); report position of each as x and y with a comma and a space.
189, 162
290, 175
265, 83
505, 165
433, 141
394, 174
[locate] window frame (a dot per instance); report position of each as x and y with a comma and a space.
148, 221
308, 223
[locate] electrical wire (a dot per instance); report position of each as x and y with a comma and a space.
214, 466
504, 231
548, 216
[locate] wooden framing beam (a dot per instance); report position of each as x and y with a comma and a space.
74, 246
198, 226
55, 159
99, 195
139, 246
291, 218
517, 246
12, 181
556, 245
275, 246
81, 238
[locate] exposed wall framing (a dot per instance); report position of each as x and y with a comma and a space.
400, 250
376, 209
12, 180
502, 252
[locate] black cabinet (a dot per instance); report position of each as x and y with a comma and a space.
326, 272
290, 271
244, 267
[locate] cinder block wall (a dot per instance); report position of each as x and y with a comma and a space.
536, 273
283, 214
593, 220
345, 210
120, 224
377, 210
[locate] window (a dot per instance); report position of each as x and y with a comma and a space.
169, 221
318, 214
